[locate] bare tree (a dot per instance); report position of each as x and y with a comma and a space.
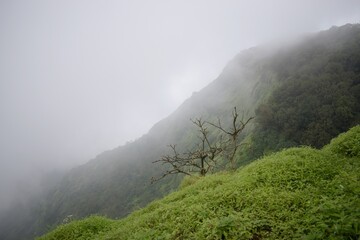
204, 156
201, 160
233, 133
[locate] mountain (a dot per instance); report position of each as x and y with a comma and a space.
298, 193
303, 92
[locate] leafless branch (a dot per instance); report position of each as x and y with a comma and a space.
203, 158
234, 132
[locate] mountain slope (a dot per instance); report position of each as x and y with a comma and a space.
319, 92
301, 93
298, 193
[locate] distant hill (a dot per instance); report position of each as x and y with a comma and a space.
301, 93
298, 193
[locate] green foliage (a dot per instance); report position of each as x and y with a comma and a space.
188, 180
306, 94
317, 95
298, 193
347, 144
86, 229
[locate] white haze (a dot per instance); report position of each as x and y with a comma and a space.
78, 77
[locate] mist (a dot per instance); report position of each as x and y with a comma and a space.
81, 77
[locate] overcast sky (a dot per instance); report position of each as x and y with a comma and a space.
78, 77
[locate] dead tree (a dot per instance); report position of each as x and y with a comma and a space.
233, 133
205, 151
200, 160
204, 156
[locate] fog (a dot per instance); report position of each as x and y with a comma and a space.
79, 77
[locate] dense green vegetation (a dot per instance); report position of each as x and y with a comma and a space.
298, 193
302, 93
319, 95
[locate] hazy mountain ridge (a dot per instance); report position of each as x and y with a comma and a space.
118, 181
318, 96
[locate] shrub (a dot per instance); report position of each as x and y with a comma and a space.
346, 144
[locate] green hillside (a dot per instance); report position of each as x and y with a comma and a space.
298, 193
300, 93
318, 92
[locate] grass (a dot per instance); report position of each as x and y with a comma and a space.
81, 229
298, 193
